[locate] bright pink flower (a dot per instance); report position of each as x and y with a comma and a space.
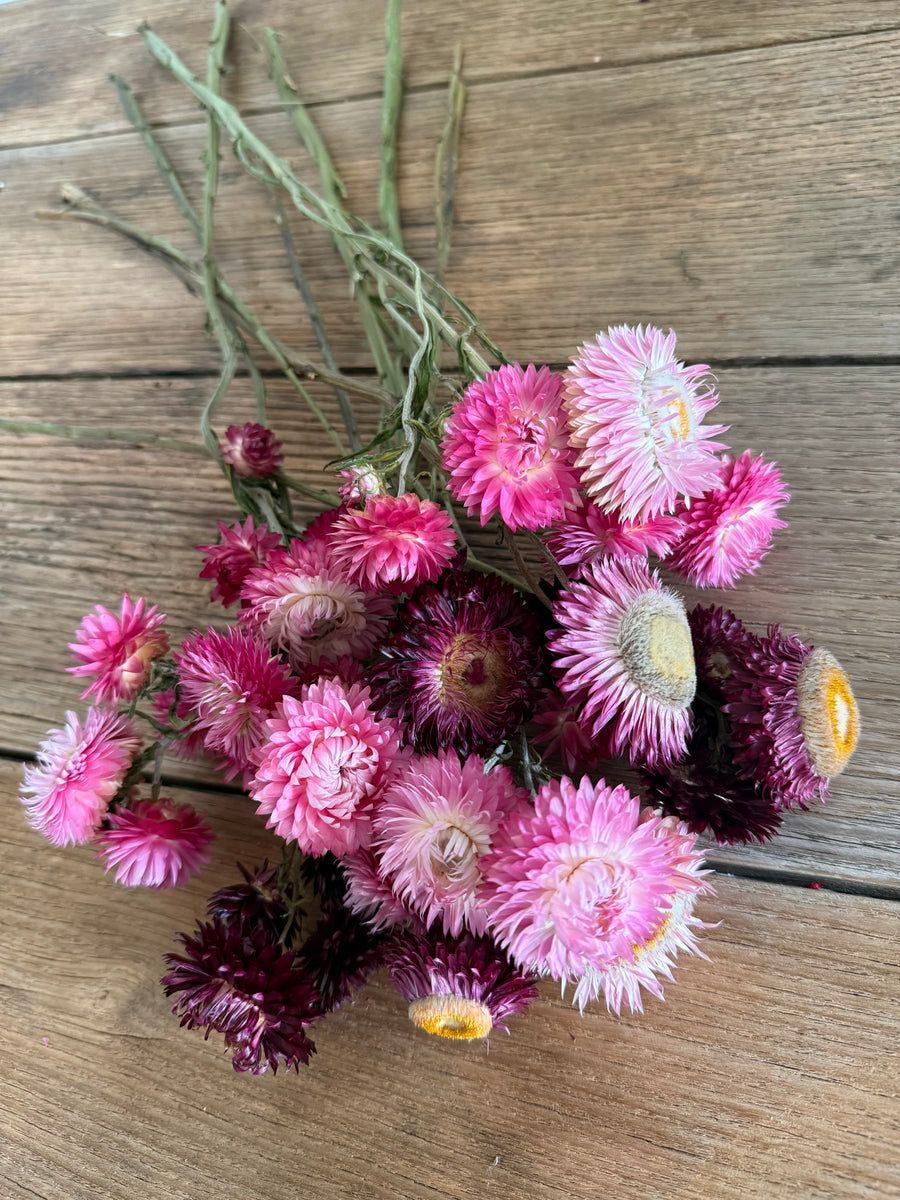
582, 880
623, 652
251, 450
635, 413
433, 828
369, 895
588, 534
78, 771
507, 448
118, 650
155, 843
303, 606
234, 685
323, 767
242, 548
394, 542
728, 531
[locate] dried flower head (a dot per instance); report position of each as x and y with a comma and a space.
393, 542
256, 901
369, 894
340, 955
588, 534
155, 843
251, 450
243, 547
118, 650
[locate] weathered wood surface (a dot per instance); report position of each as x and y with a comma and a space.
86, 522
749, 198
54, 86
769, 1071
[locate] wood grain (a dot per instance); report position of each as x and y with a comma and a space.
748, 198
769, 1071
85, 523
54, 86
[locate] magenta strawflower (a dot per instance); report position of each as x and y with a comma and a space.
463, 663
728, 530
155, 843
304, 607
588, 534
118, 650
635, 415
251, 450
234, 685
433, 828
458, 987
323, 766
256, 901
721, 643
393, 542
371, 896
243, 547
584, 879
235, 980
79, 769
623, 654
506, 448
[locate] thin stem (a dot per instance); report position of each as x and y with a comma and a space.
328, 499
546, 552
478, 564
212, 405
534, 582
388, 202
446, 163
97, 434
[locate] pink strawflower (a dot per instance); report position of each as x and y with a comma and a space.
118, 650
561, 735
369, 895
303, 606
623, 653
234, 685
588, 534
434, 827
582, 880
728, 531
251, 450
359, 483
635, 414
155, 843
506, 447
79, 769
323, 767
243, 547
393, 542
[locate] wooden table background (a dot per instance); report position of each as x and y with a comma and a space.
729, 167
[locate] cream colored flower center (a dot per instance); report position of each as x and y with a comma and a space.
655, 644
829, 717
451, 1017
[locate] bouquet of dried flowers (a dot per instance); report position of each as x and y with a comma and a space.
431, 735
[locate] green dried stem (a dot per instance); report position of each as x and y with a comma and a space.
96, 433
392, 102
446, 164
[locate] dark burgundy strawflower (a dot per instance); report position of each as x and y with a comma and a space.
721, 644
251, 450
324, 874
236, 980
256, 901
463, 664
340, 955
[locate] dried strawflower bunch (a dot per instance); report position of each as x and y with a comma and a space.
428, 734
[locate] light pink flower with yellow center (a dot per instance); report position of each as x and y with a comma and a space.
393, 542
118, 650
635, 413
155, 843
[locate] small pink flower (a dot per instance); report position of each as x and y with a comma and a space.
434, 826
242, 548
359, 483
155, 843
78, 771
369, 895
394, 542
323, 767
588, 534
118, 650
561, 734
635, 413
507, 448
728, 531
251, 450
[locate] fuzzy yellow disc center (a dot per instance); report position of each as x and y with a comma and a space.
829, 717
451, 1017
655, 643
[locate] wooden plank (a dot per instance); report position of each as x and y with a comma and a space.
746, 198
85, 523
769, 1071
53, 80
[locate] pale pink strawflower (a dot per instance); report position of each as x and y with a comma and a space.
369, 894
580, 881
323, 767
243, 547
393, 542
434, 827
728, 531
304, 607
506, 447
623, 654
79, 769
233, 684
635, 413
118, 650
251, 450
155, 843
588, 534
358, 484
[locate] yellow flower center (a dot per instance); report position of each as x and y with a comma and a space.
451, 1017
655, 643
829, 717
679, 424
